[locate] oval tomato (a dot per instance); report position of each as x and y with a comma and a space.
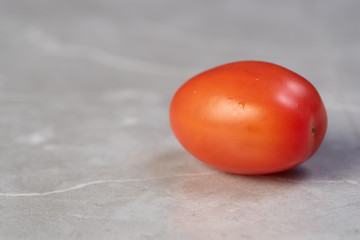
249, 117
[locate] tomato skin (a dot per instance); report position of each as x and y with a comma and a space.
249, 117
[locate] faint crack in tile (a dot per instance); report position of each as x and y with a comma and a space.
54, 47
352, 182
345, 205
83, 185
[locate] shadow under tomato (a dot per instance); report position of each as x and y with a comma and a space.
174, 163
181, 162
297, 173
335, 159
290, 177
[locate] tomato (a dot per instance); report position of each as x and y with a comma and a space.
249, 117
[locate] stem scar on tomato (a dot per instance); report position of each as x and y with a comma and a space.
313, 129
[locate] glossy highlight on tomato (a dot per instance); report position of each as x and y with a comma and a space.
249, 117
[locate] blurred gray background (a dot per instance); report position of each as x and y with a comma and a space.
86, 151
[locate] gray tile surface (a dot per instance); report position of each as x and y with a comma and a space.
86, 151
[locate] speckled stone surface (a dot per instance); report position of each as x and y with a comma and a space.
86, 151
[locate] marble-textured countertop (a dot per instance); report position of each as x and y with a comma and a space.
86, 151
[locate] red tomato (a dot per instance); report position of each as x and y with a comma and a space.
249, 117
